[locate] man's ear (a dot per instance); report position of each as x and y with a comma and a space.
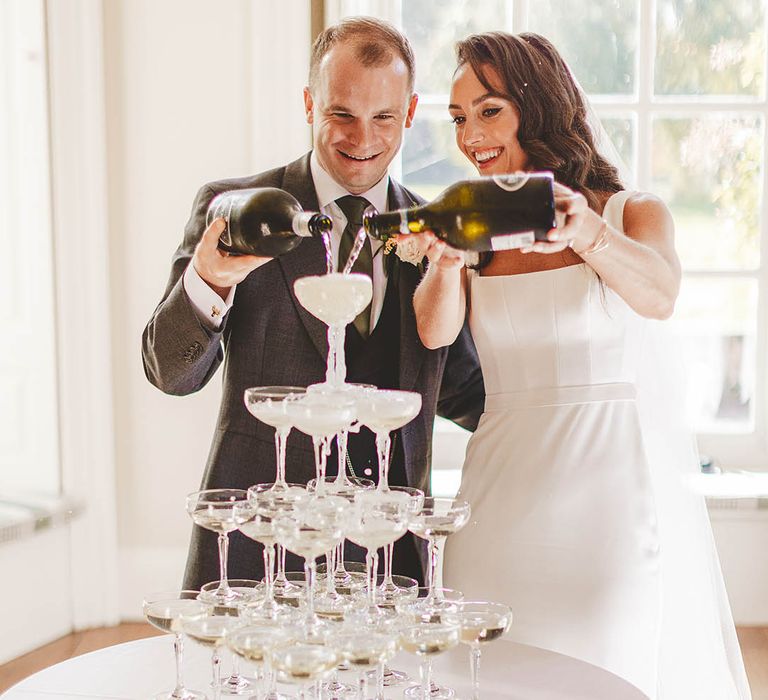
411, 110
308, 105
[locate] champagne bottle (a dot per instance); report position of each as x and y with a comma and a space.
497, 212
264, 221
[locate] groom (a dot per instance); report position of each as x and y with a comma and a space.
242, 310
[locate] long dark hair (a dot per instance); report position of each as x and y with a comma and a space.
554, 131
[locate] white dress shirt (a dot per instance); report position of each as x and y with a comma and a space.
211, 308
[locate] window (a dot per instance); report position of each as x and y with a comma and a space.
28, 390
680, 87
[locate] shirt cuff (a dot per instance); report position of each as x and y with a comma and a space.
209, 307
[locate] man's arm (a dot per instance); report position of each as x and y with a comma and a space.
180, 351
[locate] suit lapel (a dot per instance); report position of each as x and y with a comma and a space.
407, 277
309, 257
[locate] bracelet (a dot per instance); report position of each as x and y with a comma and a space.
601, 242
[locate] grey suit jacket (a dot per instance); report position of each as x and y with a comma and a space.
268, 338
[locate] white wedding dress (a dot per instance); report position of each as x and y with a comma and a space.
581, 521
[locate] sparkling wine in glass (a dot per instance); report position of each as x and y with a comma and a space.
336, 299
255, 642
210, 631
276, 501
426, 639
305, 664
438, 518
309, 530
378, 519
269, 404
214, 509
388, 591
164, 611
481, 622
365, 651
322, 416
383, 411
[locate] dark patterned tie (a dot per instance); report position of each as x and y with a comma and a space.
353, 208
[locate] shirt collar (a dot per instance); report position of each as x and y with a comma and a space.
328, 190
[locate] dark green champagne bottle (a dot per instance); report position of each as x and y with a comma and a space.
264, 221
497, 212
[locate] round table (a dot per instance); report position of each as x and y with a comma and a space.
142, 668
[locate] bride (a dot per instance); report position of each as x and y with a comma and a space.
581, 521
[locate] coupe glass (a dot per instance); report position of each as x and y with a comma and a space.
322, 416
269, 405
164, 612
214, 509
438, 518
365, 651
309, 530
481, 622
382, 411
248, 593
210, 631
389, 591
265, 499
336, 299
304, 664
425, 639
378, 519
255, 643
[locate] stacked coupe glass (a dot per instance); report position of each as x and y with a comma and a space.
303, 629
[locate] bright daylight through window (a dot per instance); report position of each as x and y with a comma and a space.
680, 89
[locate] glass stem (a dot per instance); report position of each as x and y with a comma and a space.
322, 448
339, 359
216, 670
223, 554
281, 440
474, 661
380, 682
281, 563
309, 574
331, 369
330, 572
178, 652
434, 556
389, 552
341, 474
269, 564
383, 445
426, 679
362, 686
371, 561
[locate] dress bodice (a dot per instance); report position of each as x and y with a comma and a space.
554, 328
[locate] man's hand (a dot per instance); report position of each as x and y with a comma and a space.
218, 269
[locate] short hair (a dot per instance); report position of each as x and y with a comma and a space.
376, 43
554, 130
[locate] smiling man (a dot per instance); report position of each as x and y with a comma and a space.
359, 101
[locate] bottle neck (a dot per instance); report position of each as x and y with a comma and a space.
390, 223
307, 224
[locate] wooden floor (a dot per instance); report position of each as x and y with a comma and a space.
754, 646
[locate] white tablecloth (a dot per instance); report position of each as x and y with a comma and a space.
142, 668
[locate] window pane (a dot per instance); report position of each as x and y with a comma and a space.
716, 319
621, 134
431, 160
435, 27
708, 170
599, 44
709, 47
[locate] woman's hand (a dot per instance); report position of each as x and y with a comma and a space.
439, 253
577, 225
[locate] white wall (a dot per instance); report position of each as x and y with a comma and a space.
195, 91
